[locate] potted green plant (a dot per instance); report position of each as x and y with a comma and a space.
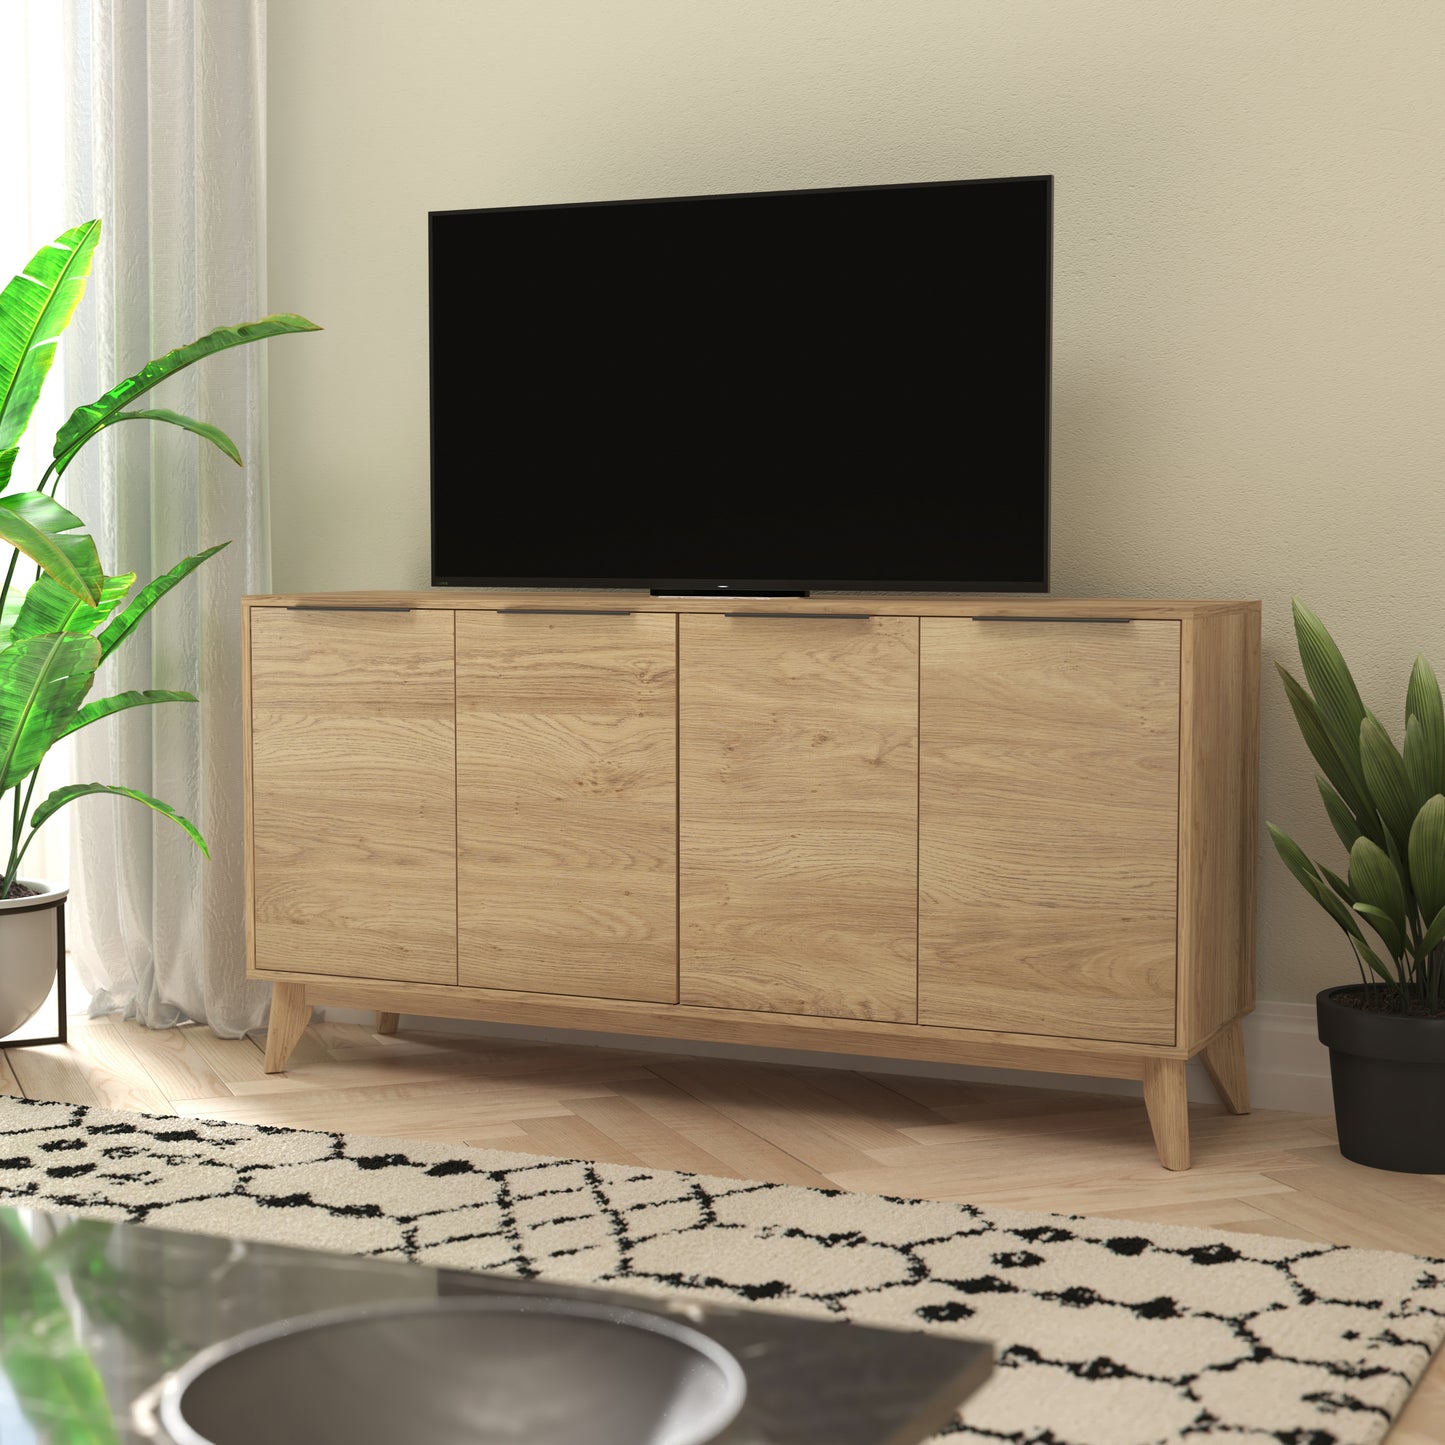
1385, 1034
61, 621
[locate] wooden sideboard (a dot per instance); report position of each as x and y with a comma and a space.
1008, 832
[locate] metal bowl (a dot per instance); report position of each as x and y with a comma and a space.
543, 1370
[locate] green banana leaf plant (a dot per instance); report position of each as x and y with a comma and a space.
1387, 807
58, 629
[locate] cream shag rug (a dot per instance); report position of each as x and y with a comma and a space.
1106, 1333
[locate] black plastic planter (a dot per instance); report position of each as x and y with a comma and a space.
1388, 1073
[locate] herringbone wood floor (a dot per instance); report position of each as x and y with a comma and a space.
1271, 1173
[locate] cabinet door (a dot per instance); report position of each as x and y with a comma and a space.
353, 805
567, 803
1048, 827
798, 754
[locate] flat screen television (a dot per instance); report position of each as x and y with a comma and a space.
841, 389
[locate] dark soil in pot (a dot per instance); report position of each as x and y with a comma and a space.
1388, 1073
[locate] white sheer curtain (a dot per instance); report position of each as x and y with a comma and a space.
166, 139
32, 117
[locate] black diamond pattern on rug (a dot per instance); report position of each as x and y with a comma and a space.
1107, 1334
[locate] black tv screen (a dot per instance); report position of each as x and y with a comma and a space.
843, 389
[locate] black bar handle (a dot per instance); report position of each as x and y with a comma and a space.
570, 611
810, 616
991, 617
325, 607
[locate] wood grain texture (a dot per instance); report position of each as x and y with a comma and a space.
932, 604
95, 1067
232, 1061
353, 767
567, 803
645, 1136
757, 1027
1224, 1062
807, 726
386, 1023
248, 791
1218, 819
1167, 1101
290, 1014
173, 1064
1048, 801
798, 756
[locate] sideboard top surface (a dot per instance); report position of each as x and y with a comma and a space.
877, 604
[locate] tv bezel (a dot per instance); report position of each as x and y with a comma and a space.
744, 586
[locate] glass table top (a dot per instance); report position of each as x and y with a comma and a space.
95, 1315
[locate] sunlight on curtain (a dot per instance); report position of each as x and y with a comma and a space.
32, 212
166, 145
150, 115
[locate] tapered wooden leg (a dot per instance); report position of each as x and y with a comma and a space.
290, 1013
1167, 1101
386, 1023
1224, 1063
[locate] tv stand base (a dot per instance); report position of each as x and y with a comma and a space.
1160, 1069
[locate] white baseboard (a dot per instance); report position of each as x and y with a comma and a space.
1288, 1067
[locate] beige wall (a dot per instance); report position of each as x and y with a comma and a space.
1249, 271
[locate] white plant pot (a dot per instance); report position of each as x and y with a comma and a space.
29, 952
